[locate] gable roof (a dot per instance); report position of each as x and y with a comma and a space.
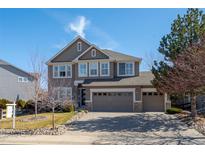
144, 79
4, 63
93, 46
113, 55
69, 44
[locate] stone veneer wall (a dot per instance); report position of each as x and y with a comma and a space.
138, 107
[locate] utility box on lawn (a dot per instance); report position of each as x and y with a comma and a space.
9, 110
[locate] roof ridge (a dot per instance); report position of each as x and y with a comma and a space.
123, 54
7, 63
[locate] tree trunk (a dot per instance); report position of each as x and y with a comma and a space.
193, 105
53, 118
36, 108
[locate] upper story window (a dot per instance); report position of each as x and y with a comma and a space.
82, 70
104, 69
93, 69
62, 71
126, 69
93, 53
79, 46
22, 79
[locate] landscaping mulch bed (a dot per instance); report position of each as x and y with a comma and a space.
198, 123
59, 130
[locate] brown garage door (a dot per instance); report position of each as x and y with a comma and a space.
153, 102
113, 101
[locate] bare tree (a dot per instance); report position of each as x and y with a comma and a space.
57, 96
186, 74
39, 72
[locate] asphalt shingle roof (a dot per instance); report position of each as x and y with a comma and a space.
120, 56
144, 79
4, 63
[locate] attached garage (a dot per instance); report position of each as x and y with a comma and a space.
112, 101
153, 102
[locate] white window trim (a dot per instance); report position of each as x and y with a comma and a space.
108, 68
66, 71
133, 69
70, 71
79, 43
90, 69
82, 75
93, 53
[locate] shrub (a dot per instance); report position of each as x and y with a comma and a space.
21, 104
29, 105
173, 110
82, 110
68, 107
3, 103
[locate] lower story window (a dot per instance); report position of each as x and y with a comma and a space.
63, 93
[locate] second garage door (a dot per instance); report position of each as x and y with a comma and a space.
113, 101
153, 102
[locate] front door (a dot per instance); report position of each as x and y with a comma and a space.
81, 97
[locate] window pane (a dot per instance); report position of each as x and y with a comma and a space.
93, 68
62, 68
104, 69
68, 70
121, 68
79, 46
125, 68
82, 70
25, 79
55, 71
62, 71
93, 53
129, 69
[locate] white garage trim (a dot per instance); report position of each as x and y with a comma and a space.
166, 99
112, 90
149, 90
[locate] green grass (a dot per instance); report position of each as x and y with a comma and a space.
60, 118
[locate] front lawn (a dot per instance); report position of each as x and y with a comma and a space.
42, 120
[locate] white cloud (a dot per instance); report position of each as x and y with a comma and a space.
78, 26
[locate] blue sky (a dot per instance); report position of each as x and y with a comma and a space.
137, 32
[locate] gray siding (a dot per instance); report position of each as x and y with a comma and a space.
99, 55
10, 87
137, 67
71, 52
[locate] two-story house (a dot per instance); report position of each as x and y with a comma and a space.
103, 80
15, 82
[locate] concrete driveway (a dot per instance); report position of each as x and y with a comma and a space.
119, 128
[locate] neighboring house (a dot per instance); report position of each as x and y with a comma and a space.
14, 81
103, 80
